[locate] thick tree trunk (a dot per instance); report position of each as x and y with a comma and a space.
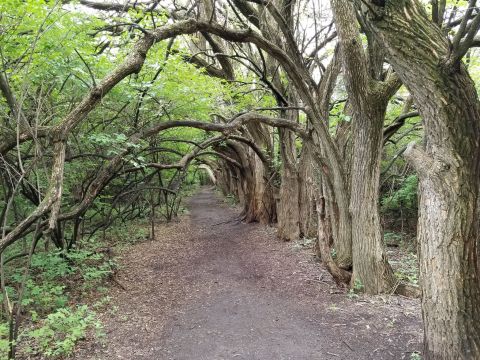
288, 227
368, 99
371, 269
240, 185
337, 202
262, 204
307, 207
340, 275
449, 173
252, 185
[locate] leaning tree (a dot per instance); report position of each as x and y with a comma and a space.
429, 62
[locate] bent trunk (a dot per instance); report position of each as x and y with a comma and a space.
449, 173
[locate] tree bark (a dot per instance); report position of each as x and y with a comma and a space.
449, 173
371, 269
288, 227
368, 97
307, 208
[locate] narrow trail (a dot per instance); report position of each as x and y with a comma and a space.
210, 287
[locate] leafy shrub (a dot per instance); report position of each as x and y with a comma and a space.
51, 265
52, 329
44, 297
392, 238
61, 330
128, 234
231, 200
405, 197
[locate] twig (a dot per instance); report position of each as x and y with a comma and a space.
88, 68
329, 353
347, 345
118, 283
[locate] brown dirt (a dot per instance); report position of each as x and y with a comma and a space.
210, 287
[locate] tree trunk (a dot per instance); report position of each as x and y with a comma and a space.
262, 205
368, 99
337, 198
371, 270
288, 206
340, 275
449, 173
307, 207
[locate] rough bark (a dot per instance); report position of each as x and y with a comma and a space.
307, 208
449, 172
288, 227
262, 206
368, 97
340, 275
370, 265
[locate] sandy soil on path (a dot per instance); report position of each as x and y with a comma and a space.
210, 287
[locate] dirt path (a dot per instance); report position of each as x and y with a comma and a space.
210, 287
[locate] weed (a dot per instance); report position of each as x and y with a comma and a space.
52, 327
4, 345
61, 330
303, 243
333, 307
358, 285
415, 356
392, 238
231, 200
351, 294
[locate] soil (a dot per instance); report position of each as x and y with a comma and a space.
211, 287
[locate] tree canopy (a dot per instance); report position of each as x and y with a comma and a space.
335, 120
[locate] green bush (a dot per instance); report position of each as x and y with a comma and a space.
404, 198
52, 328
45, 296
61, 330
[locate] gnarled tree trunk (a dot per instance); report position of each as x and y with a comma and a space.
369, 94
449, 173
371, 269
307, 208
288, 227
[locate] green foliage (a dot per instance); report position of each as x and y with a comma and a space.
53, 327
4, 344
127, 234
405, 197
303, 243
392, 238
355, 289
61, 330
44, 297
231, 200
415, 356
358, 285
337, 117
352, 294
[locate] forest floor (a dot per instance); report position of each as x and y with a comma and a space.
211, 287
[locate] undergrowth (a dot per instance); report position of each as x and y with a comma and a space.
59, 284
403, 256
58, 294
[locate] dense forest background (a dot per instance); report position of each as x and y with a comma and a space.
335, 121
